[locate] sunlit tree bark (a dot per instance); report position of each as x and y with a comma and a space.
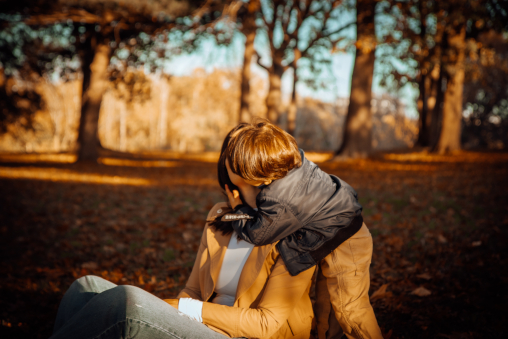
293, 107
449, 136
94, 83
357, 140
274, 96
163, 113
249, 30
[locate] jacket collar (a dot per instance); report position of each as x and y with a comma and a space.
294, 178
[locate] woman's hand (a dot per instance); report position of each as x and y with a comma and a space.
234, 197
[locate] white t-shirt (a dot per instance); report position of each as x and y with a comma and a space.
234, 259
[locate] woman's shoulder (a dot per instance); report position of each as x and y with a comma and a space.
217, 210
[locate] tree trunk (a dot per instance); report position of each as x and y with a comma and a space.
433, 84
250, 34
293, 105
449, 136
423, 134
109, 122
423, 108
437, 112
123, 126
163, 118
357, 140
274, 96
94, 83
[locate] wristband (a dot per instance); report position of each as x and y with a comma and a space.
192, 308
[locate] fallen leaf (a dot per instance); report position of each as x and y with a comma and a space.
476, 243
425, 276
395, 241
442, 239
90, 265
187, 236
381, 293
421, 292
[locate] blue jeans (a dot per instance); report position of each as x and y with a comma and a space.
96, 308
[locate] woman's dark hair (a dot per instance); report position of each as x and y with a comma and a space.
222, 226
221, 164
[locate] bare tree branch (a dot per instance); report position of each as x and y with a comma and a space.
321, 35
258, 61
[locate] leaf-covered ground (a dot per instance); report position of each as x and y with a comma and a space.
440, 228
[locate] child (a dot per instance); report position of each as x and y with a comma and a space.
316, 217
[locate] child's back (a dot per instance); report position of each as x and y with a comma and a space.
304, 210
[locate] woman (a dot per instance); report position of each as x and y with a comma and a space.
234, 290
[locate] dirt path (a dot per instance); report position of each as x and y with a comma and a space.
439, 226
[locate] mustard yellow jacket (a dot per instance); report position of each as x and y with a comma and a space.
269, 302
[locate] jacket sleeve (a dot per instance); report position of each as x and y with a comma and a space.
279, 299
272, 222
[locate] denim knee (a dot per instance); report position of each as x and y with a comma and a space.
87, 280
134, 295
92, 283
83, 284
140, 304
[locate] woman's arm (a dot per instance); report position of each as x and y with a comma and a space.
279, 299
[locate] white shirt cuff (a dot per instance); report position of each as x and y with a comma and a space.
191, 307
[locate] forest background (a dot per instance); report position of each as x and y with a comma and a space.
438, 75
112, 113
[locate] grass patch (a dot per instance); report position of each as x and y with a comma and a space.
399, 203
73, 232
432, 224
76, 244
133, 246
169, 255
367, 212
375, 232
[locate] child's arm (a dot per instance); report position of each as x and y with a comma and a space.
265, 226
274, 221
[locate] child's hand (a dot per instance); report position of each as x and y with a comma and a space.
234, 197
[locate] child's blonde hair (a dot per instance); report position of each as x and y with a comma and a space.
261, 151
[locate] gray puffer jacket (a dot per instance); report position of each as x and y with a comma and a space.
310, 211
